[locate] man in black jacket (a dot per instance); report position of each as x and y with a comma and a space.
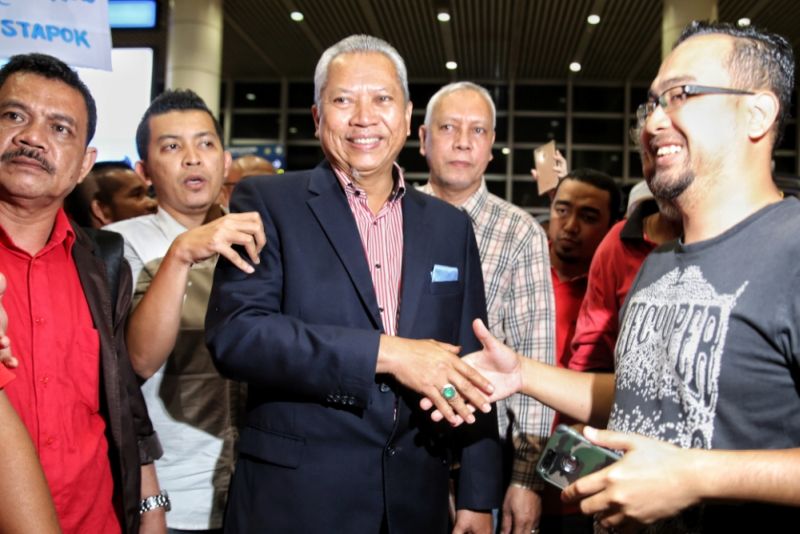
75, 389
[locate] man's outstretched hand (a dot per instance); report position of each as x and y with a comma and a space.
496, 362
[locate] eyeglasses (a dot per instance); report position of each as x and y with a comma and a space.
674, 97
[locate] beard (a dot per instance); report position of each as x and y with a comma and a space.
668, 187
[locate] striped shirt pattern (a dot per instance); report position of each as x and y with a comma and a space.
521, 310
382, 238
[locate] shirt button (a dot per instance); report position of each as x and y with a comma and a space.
380, 309
45, 379
377, 265
49, 441
38, 320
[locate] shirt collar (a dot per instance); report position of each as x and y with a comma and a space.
61, 234
167, 221
350, 188
633, 228
473, 205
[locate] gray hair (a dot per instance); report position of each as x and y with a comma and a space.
455, 87
358, 44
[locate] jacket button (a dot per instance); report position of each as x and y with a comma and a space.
391, 451
384, 387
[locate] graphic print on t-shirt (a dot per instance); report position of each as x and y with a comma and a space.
668, 359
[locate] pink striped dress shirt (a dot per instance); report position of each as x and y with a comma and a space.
382, 238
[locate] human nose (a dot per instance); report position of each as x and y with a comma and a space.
191, 156
32, 135
656, 120
571, 224
462, 140
364, 113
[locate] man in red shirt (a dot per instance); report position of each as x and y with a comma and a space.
74, 389
585, 205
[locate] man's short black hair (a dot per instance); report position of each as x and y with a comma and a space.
54, 69
170, 100
760, 60
600, 180
105, 183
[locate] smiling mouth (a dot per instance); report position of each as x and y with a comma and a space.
364, 140
668, 150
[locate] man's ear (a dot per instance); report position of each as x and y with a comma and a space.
315, 115
141, 170
89, 157
423, 135
101, 213
763, 113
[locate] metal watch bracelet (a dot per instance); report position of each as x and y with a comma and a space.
155, 501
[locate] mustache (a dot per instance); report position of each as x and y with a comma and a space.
31, 154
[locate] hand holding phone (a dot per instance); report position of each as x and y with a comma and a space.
569, 456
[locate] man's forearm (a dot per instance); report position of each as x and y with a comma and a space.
771, 476
586, 397
154, 324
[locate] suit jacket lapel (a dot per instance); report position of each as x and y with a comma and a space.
416, 254
329, 205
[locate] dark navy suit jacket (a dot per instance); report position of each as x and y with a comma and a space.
328, 445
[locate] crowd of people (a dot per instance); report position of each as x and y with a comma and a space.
336, 349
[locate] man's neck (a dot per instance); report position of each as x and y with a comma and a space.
715, 206
29, 227
456, 197
187, 220
567, 271
378, 189
660, 229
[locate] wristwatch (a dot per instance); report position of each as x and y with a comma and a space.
155, 501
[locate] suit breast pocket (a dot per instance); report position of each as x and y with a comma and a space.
445, 288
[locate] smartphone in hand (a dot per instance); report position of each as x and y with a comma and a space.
569, 456
544, 159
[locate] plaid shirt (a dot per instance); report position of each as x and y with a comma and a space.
521, 311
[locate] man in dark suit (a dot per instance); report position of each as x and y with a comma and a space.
334, 331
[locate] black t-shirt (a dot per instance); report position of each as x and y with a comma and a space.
707, 356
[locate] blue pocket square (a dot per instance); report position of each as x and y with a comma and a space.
444, 273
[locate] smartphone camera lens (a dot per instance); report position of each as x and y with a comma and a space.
549, 459
569, 464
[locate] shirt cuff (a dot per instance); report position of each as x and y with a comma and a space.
527, 449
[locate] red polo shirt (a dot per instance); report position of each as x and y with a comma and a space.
6, 376
57, 388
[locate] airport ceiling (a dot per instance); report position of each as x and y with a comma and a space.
499, 40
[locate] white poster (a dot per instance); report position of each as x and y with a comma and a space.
75, 31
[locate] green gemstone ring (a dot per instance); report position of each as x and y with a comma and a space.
449, 392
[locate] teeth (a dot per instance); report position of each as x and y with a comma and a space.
365, 140
670, 149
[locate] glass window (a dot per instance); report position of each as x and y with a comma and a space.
257, 95
789, 141
785, 164
501, 130
523, 160
299, 158
602, 99
301, 126
422, 92
638, 96
411, 160
539, 129
541, 97
608, 162
256, 126
498, 163
499, 96
416, 122
526, 195
599, 131
497, 187
635, 165
301, 95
